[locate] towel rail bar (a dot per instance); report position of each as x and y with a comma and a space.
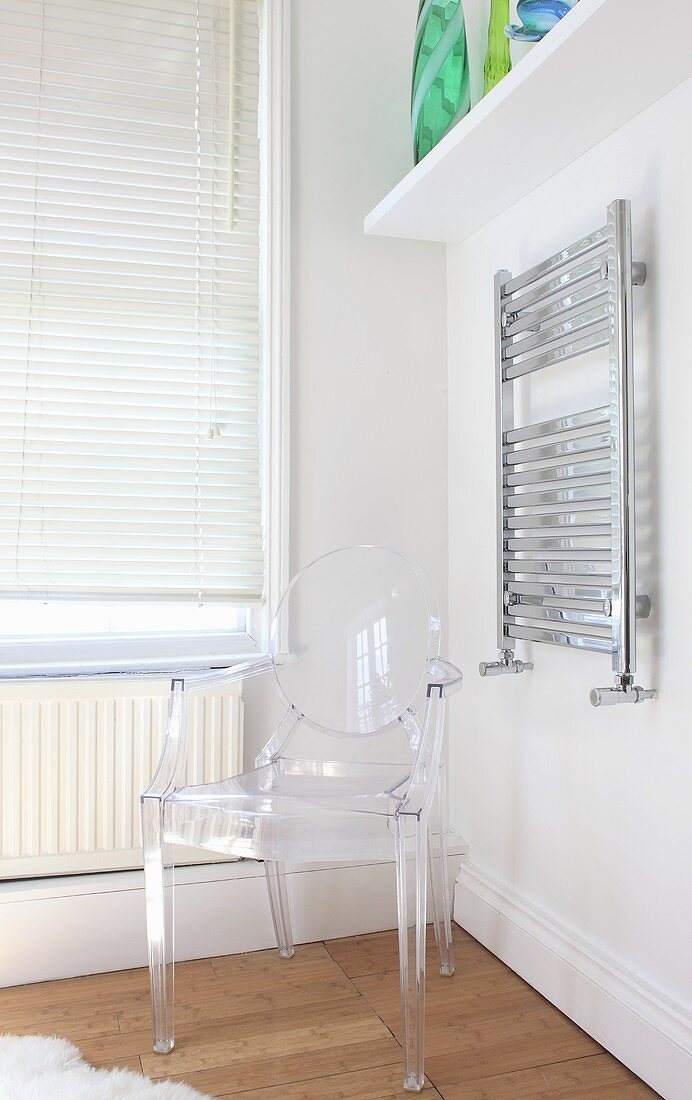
599, 571
582, 468
592, 418
591, 542
578, 301
561, 285
557, 519
588, 490
565, 332
597, 239
555, 590
564, 449
562, 354
546, 508
561, 637
572, 618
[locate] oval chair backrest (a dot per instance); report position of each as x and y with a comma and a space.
351, 639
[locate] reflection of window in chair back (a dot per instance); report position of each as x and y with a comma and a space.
352, 637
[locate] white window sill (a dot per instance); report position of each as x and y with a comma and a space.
125, 656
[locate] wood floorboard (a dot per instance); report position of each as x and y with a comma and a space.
133, 1064
73, 1027
383, 1083
317, 1066
379, 952
458, 999
325, 1025
226, 1005
599, 1076
512, 1049
317, 1027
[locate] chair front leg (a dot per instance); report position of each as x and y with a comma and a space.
440, 895
412, 878
158, 886
275, 873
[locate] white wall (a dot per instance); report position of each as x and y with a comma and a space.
580, 817
368, 369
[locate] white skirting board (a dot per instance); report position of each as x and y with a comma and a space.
60, 928
647, 1032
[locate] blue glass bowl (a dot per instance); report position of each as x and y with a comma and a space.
538, 17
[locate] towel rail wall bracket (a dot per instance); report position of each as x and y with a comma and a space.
566, 560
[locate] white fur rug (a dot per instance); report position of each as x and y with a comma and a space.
35, 1067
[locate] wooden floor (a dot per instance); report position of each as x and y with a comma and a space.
326, 1025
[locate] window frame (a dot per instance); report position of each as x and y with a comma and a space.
98, 655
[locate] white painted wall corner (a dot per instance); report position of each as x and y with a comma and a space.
644, 1029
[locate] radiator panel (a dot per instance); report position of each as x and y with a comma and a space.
74, 758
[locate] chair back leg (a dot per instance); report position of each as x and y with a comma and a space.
440, 893
158, 885
275, 873
412, 877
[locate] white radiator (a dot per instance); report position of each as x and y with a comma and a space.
74, 757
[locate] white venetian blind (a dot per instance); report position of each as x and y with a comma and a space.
129, 300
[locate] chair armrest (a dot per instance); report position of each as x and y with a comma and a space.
445, 676
217, 677
171, 765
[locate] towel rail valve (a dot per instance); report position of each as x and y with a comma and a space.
506, 666
625, 691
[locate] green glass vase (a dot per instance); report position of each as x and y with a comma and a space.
497, 60
441, 91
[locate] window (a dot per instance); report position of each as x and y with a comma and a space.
134, 392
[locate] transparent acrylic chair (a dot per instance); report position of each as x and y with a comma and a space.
355, 643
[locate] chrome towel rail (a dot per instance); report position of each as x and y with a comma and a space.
566, 570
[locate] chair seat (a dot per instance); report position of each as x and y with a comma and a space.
292, 810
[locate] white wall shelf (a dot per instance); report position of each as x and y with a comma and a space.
604, 63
